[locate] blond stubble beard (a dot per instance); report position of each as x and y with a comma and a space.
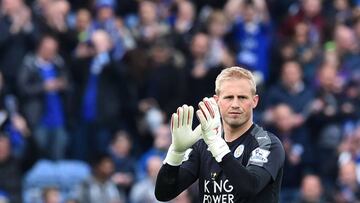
235, 123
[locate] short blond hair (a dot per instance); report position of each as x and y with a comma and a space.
235, 72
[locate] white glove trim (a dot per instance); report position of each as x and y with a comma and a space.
174, 158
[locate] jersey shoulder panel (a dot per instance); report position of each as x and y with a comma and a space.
269, 154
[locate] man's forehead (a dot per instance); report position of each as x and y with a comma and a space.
235, 84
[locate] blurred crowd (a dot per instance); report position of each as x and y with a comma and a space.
87, 89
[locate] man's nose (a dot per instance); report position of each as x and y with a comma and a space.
235, 104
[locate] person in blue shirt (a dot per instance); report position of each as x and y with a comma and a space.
43, 85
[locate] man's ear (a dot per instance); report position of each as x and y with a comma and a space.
255, 101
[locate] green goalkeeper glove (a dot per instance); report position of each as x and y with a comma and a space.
183, 137
209, 117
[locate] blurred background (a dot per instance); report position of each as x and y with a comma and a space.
87, 89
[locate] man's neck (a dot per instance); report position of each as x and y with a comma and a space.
231, 134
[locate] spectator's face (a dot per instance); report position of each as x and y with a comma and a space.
105, 168
57, 10
287, 51
283, 117
104, 13
10, 6
83, 19
327, 76
341, 4
200, 45
62, 6
236, 102
345, 38
311, 188
186, 11
249, 13
153, 166
311, 7
121, 146
301, 28
301, 33
161, 55
48, 49
218, 27
147, 12
53, 196
101, 41
291, 74
4, 148
347, 174
162, 137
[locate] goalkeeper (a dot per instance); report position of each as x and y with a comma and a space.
234, 159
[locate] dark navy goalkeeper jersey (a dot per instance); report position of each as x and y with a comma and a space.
252, 172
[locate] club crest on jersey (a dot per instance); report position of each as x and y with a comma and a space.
213, 176
259, 156
239, 151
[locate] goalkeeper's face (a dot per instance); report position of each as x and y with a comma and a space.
236, 102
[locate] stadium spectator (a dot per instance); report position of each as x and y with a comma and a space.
297, 147
125, 164
183, 25
100, 99
166, 72
311, 190
199, 74
82, 34
217, 27
19, 36
143, 191
291, 90
149, 26
309, 11
99, 187
348, 189
325, 120
251, 36
12, 169
162, 141
51, 195
44, 84
106, 20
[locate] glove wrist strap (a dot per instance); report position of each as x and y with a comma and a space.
174, 158
218, 149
